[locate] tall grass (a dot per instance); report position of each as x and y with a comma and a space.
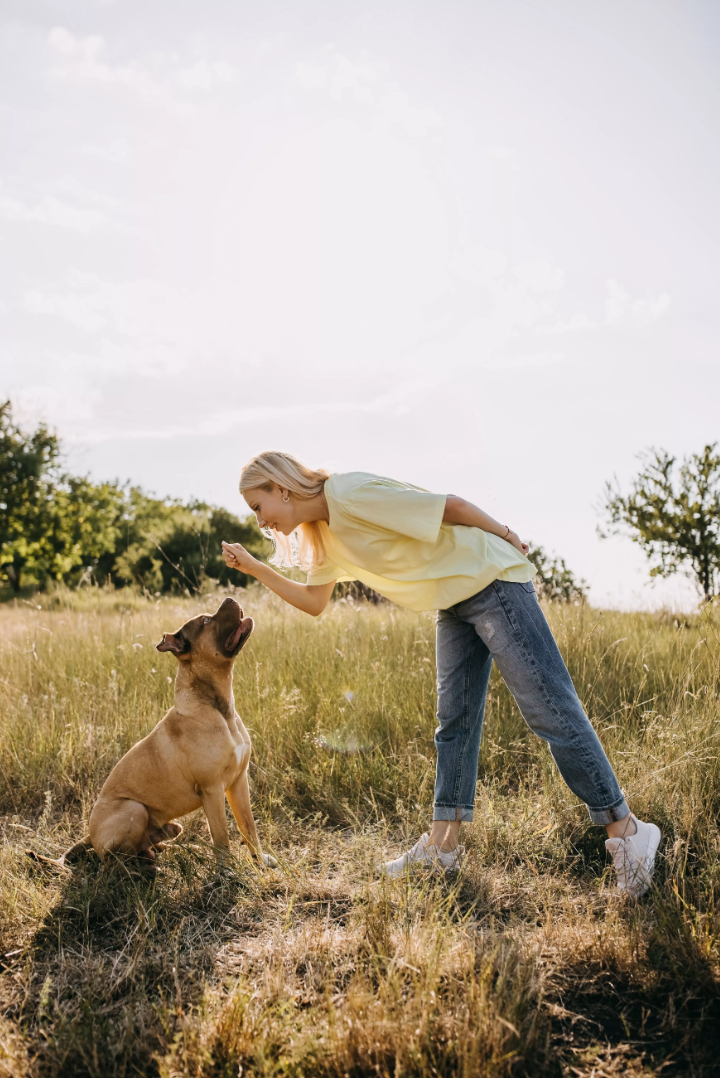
525, 964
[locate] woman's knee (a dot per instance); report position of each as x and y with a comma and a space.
450, 728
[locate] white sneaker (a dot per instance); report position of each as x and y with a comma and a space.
424, 854
634, 857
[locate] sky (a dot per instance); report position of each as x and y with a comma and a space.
473, 246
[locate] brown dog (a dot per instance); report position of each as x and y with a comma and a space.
196, 756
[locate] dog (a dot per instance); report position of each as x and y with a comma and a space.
196, 756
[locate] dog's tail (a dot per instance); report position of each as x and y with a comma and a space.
72, 853
61, 862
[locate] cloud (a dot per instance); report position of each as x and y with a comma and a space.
575, 324
524, 361
143, 326
340, 76
530, 297
50, 210
142, 308
72, 308
362, 80
205, 75
622, 308
518, 297
400, 401
540, 276
72, 399
81, 60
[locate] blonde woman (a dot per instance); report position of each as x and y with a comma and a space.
439, 552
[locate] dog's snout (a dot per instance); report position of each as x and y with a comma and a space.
231, 602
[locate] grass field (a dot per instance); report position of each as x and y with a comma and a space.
525, 964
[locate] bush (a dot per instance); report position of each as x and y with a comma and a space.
56, 527
554, 581
171, 547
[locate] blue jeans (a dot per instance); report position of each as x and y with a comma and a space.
504, 622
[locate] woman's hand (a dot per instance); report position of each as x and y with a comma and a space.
312, 598
514, 540
237, 557
459, 511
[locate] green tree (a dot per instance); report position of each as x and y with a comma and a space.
554, 581
56, 526
83, 527
52, 525
29, 464
167, 546
673, 514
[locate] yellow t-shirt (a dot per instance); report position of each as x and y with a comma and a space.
391, 537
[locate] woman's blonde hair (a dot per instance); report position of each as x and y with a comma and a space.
305, 547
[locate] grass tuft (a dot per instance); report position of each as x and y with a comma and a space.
526, 963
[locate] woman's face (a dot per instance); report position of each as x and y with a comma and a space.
270, 509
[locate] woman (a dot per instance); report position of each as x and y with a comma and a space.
436, 552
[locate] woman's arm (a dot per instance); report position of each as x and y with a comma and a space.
458, 511
312, 598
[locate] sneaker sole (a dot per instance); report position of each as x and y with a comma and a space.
417, 866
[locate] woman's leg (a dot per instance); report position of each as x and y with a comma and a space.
463, 665
463, 668
510, 624
508, 618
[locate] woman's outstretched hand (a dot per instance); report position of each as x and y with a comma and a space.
237, 557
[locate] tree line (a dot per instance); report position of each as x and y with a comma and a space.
59, 527
55, 526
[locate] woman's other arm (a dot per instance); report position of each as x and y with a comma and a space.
458, 511
311, 598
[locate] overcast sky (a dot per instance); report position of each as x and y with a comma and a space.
471, 245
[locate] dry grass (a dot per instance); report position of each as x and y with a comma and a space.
525, 964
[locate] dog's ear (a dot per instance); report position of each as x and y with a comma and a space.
173, 642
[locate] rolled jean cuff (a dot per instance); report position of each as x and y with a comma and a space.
450, 812
615, 812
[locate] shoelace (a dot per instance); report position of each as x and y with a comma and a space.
434, 854
418, 848
425, 852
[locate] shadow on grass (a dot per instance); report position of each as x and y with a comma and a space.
673, 1029
124, 953
661, 1004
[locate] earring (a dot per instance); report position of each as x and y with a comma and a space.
286, 497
